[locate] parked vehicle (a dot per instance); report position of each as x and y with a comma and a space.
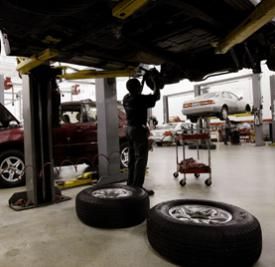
74, 141
219, 104
166, 133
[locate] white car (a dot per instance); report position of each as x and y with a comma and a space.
219, 104
166, 133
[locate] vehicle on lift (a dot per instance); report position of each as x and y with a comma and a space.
74, 141
187, 39
219, 104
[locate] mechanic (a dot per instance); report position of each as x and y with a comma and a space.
136, 106
227, 130
153, 122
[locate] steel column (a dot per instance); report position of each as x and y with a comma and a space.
197, 92
107, 131
37, 112
272, 95
257, 107
165, 109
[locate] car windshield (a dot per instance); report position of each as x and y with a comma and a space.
91, 112
6, 117
75, 113
234, 96
167, 126
208, 95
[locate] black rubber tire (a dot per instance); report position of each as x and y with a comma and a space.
112, 212
236, 243
159, 144
193, 119
17, 154
176, 174
224, 110
197, 175
182, 183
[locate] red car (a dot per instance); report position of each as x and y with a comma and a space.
74, 141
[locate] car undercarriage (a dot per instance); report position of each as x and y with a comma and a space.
180, 36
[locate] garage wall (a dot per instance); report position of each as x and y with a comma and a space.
175, 103
240, 87
265, 84
87, 90
12, 99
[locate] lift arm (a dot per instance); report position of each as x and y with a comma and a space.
26, 64
262, 14
126, 8
95, 74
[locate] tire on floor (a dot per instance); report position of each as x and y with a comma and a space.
112, 206
196, 233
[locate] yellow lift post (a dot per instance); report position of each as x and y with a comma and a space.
25, 65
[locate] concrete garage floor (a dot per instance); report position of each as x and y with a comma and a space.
53, 236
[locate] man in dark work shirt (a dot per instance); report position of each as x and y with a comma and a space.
136, 105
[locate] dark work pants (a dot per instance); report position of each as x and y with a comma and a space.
227, 135
138, 155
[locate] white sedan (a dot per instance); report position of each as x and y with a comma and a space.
166, 133
219, 104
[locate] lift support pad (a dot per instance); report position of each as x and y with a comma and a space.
87, 178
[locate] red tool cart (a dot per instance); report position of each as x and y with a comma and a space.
190, 165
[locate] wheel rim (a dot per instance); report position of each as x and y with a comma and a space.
12, 169
224, 113
200, 214
124, 157
112, 193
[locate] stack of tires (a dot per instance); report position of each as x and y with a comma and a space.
187, 232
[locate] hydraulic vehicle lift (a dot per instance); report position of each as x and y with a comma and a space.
40, 83
41, 106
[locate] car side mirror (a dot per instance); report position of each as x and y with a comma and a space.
240, 98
